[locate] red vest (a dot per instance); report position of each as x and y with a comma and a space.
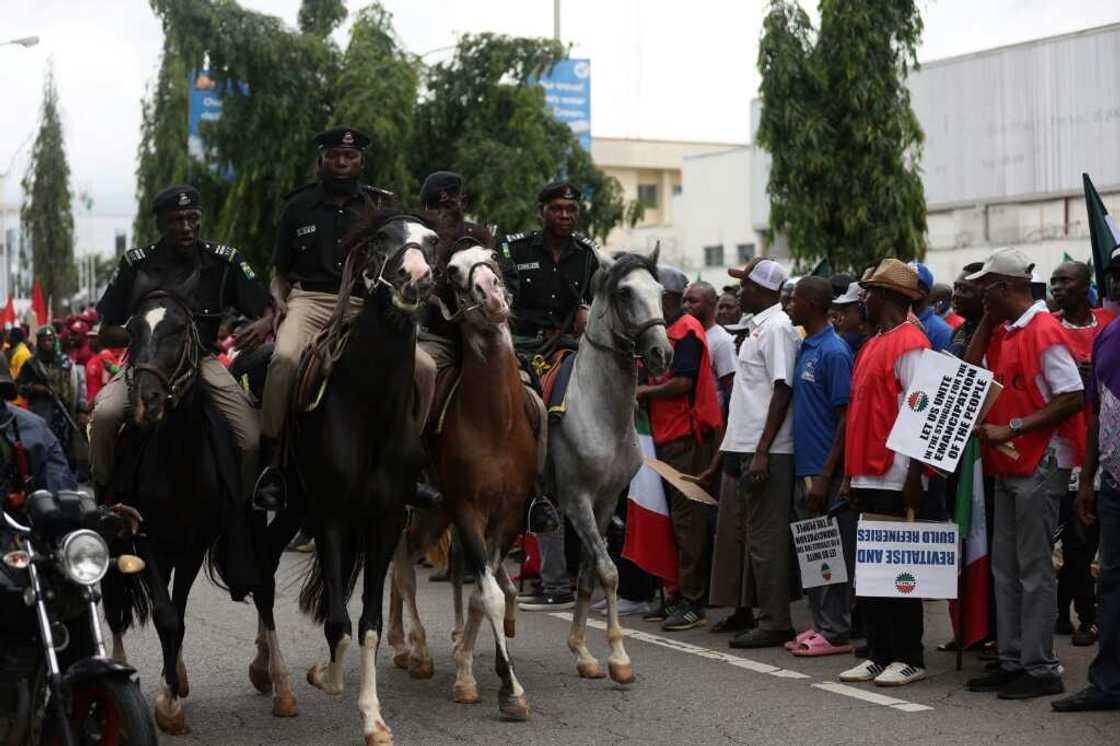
874, 405
954, 320
672, 419
1080, 343
1018, 363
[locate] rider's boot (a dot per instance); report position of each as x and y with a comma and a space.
270, 491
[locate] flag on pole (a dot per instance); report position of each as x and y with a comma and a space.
8, 317
650, 543
37, 304
972, 521
1103, 232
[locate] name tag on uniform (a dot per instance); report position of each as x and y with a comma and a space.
304, 230
529, 265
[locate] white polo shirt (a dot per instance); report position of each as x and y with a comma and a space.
768, 354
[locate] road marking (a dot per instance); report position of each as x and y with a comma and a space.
757, 666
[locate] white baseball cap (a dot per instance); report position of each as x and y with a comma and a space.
1006, 262
768, 274
851, 296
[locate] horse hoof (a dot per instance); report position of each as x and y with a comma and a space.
184, 682
260, 679
316, 677
510, 626
284, 706
173, 722
514, 708
381, 735
400, 660
421, 669
621, 673
590, 669
465, 693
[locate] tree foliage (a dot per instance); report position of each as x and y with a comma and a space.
46, 216
836, 119
480, 115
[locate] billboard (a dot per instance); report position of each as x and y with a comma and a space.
205, 105
567, 93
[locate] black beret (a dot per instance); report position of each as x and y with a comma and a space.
177, 198
438, 186
342, 137
559, 190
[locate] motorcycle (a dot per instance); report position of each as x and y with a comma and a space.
57, 684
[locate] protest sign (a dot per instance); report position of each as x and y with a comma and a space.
896, 559
939, 411
819, 552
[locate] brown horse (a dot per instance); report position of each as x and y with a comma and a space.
486, 458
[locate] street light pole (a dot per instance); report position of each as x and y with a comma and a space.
556, 20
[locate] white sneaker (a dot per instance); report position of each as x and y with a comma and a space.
900, 674
866, 671
600, 605
628, 608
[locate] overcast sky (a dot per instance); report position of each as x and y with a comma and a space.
660, 69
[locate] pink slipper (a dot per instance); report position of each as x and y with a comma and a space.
818, 645
801, 637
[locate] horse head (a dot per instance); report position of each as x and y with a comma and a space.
476, 281
397, 252
627, 305
163, 355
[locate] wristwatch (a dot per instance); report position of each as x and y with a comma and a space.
1016, 425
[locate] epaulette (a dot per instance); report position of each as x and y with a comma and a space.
585, 242
299, 189
231, 255
381, 197
514, 237
132, 256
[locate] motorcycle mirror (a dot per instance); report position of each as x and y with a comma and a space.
130, 564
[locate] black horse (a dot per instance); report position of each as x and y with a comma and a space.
176, 466
354, 459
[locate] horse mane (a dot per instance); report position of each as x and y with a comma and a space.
373, 219
624, 265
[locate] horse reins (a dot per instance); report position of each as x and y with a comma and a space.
187, 366
627, 343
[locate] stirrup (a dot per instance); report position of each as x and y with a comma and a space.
262, 499
543, 517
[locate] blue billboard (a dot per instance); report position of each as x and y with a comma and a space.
205, 105
567, 93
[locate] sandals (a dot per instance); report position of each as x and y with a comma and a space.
801, 637
818, 645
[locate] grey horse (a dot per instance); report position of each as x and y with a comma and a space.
593, 451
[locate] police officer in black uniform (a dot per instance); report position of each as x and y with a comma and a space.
307, 270
220, 278
549, 272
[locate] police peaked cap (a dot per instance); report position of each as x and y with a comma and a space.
180, 197
559, 190
342, 137
440, 185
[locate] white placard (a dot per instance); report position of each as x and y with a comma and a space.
939, 411
906, 560
819, 552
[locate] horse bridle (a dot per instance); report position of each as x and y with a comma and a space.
624, 344
387, 260
186, 369
461, 310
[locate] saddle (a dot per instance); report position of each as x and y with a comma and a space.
447, 383
555, 373
315, 366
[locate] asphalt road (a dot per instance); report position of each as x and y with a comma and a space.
691, 688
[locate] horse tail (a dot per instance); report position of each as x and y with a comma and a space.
313, 596
127, 599
440, 553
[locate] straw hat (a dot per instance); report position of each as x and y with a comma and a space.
892, 274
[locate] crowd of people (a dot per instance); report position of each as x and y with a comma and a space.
781, 397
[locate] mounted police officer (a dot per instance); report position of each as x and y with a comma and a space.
214, 277
549, 273
307, 272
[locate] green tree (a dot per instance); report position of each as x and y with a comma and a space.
46, 217
836, 119
484, 117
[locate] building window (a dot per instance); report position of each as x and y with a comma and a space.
676, 190
647, 196
746, 252
713, 256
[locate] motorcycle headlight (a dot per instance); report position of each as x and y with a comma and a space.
84, 557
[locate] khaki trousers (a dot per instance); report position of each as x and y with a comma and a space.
308, 313
226, 394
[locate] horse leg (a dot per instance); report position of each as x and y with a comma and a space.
510, 591
169, 715
334, 561
269, 671
381, 540
419, 660
455, 558
395, 635
465, 690
185, 573
113, 603
511, 697
618, 662
586, 664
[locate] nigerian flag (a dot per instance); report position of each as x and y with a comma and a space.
650, 543
971, 519
1103, 233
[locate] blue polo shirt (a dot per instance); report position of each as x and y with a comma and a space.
822, 381
938, 331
